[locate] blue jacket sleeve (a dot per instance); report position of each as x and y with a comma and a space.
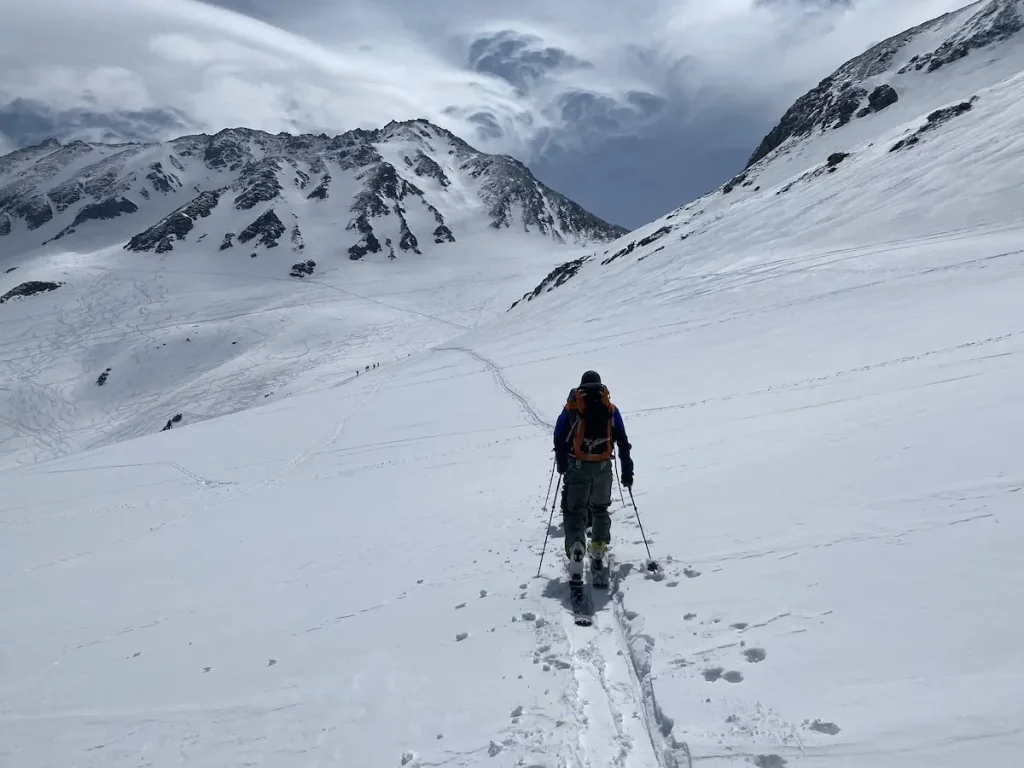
622, 442
561, 436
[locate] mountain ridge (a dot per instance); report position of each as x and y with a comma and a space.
842, 96
57, 189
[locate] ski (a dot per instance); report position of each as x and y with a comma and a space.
599, 573
582, 611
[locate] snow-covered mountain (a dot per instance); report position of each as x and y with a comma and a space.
819, 367
387, 191
139, 282
904, 104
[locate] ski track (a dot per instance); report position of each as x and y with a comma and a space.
528, 409
619, 722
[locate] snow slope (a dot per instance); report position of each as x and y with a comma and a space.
204, 275
822, 388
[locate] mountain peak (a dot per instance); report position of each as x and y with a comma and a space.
394, 185
873, 81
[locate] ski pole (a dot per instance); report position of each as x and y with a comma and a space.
547, 531
548, 494
622, 498
652, 564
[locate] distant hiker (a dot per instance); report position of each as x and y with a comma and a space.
586, 433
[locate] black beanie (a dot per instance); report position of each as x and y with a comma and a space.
590, 377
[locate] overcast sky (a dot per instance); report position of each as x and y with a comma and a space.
630, 107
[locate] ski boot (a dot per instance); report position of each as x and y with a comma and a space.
598, 564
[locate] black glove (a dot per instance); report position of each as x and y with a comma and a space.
561, 464
627, 480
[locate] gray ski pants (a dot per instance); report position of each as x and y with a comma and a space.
586, 497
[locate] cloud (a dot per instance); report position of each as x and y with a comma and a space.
531, 78
514, 74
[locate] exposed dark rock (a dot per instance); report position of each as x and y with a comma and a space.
390, 247
26, 155
656, 235
103, 378
619, 254
31, 288
934, 120
227, 150
382, 186
369, 242
8, 271
228, 241
408, 241
35, 211
5, 224
424, 165
108, 209
830, 729
436, 213
321, 191
831, 103
297, 242
176, 226
259, 183
997, 21
882, 97
508, 184
557, 277
171, 422
836, 158
733, 183
940, 116
443, 235
162, 181
303, 268
65, 195
268, 228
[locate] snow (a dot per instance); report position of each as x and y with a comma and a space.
822, 389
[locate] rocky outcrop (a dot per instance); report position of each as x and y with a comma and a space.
557, 277
268, 228
934, 120
108, 209
427, 167
882, 97
368, 243
30, 288
255, 169
303, 268
162, 181
160, 237
509, 185
259, 184
998, 20
837, 98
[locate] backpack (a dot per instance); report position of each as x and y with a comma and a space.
591, 433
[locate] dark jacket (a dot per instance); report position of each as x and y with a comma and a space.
562, 438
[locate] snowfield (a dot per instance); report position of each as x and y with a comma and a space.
822, 387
